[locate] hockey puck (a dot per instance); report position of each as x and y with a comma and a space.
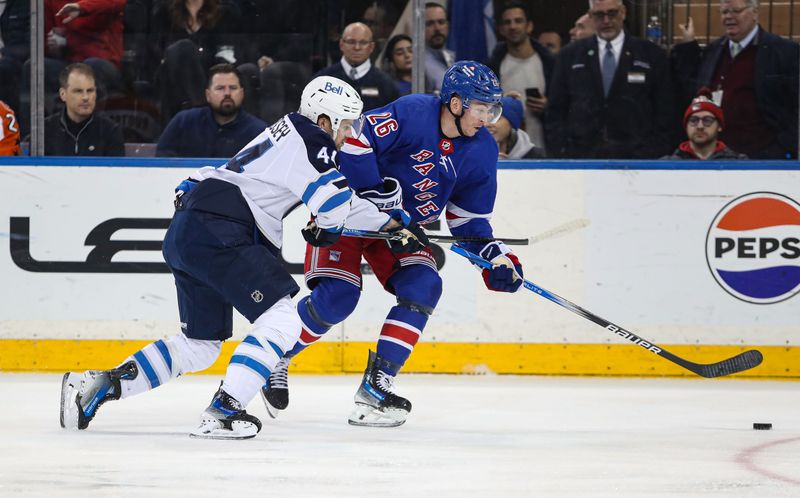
762, 427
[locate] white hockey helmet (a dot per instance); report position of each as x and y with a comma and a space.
333, 98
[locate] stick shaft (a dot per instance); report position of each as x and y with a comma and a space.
738, 363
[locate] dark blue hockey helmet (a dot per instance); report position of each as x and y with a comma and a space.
471, 80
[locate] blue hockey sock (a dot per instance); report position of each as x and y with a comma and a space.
400, 332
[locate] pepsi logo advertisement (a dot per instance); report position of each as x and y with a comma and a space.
753, 248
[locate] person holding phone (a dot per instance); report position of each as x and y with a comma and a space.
524, 65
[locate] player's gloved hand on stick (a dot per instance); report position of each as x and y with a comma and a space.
320, 237
506, 275
184, 188
414, 238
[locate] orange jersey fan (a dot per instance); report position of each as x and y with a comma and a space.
9, 131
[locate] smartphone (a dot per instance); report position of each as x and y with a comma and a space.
533, 92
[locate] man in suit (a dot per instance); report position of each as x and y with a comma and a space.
376, 87
754, 77
610, 96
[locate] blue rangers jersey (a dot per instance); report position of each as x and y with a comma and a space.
403, 140
291, 162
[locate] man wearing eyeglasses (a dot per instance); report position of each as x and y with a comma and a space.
703, 122
375, 86
611, 95
754, 77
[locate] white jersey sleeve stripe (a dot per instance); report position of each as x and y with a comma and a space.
320, 182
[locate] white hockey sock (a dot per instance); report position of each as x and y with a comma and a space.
164, 360
274, 332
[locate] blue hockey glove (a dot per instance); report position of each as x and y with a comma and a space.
320, 237
506, 275
414, 238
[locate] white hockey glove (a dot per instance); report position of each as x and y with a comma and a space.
390, 198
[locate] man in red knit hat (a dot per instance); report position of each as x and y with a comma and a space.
703, 122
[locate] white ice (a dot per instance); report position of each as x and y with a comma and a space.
467, 436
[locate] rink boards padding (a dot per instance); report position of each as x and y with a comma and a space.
445, 358
698, 258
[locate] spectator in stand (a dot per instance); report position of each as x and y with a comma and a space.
77, 130
398, 58
381, 17
219, 129
9, 131
88, 31
583, 28
703, 122
190, 36
610, 96
551, 40
512, 142
15, 47
438, 59
524, 65
754, 78
376, 87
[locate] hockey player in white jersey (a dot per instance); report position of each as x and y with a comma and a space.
223, 246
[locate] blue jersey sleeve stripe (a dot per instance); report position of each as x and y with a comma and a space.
152, 378
336, 201
162, 348
252, 364
252, 340
320, 182
276, 349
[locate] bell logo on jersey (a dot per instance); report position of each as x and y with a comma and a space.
330, 87
257, 296
753, 248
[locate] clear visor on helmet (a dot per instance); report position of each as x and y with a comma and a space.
489, 113
351, 127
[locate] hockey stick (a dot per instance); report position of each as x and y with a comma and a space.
369, 234
739, 363
563, 229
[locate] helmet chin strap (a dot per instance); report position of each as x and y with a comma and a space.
457, 118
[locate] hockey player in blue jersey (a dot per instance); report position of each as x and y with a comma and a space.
429, 155
222, 247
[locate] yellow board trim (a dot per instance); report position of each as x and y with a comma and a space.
23, 355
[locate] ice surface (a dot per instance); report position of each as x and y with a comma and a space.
467, 436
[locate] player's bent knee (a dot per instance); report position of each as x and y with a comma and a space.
418, 285
192, 355
280, 325
334, 300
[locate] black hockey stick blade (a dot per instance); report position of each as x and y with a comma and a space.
739, 363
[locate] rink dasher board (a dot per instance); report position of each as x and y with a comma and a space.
641, 262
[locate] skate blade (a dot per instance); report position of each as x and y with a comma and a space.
213, 429
272, 410
369, 416
70, 388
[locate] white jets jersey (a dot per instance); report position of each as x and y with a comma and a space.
291, 162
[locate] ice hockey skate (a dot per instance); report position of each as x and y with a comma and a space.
83, 394
275, 392
376, 403
225, 418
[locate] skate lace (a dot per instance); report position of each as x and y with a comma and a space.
385, 381
279, 379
